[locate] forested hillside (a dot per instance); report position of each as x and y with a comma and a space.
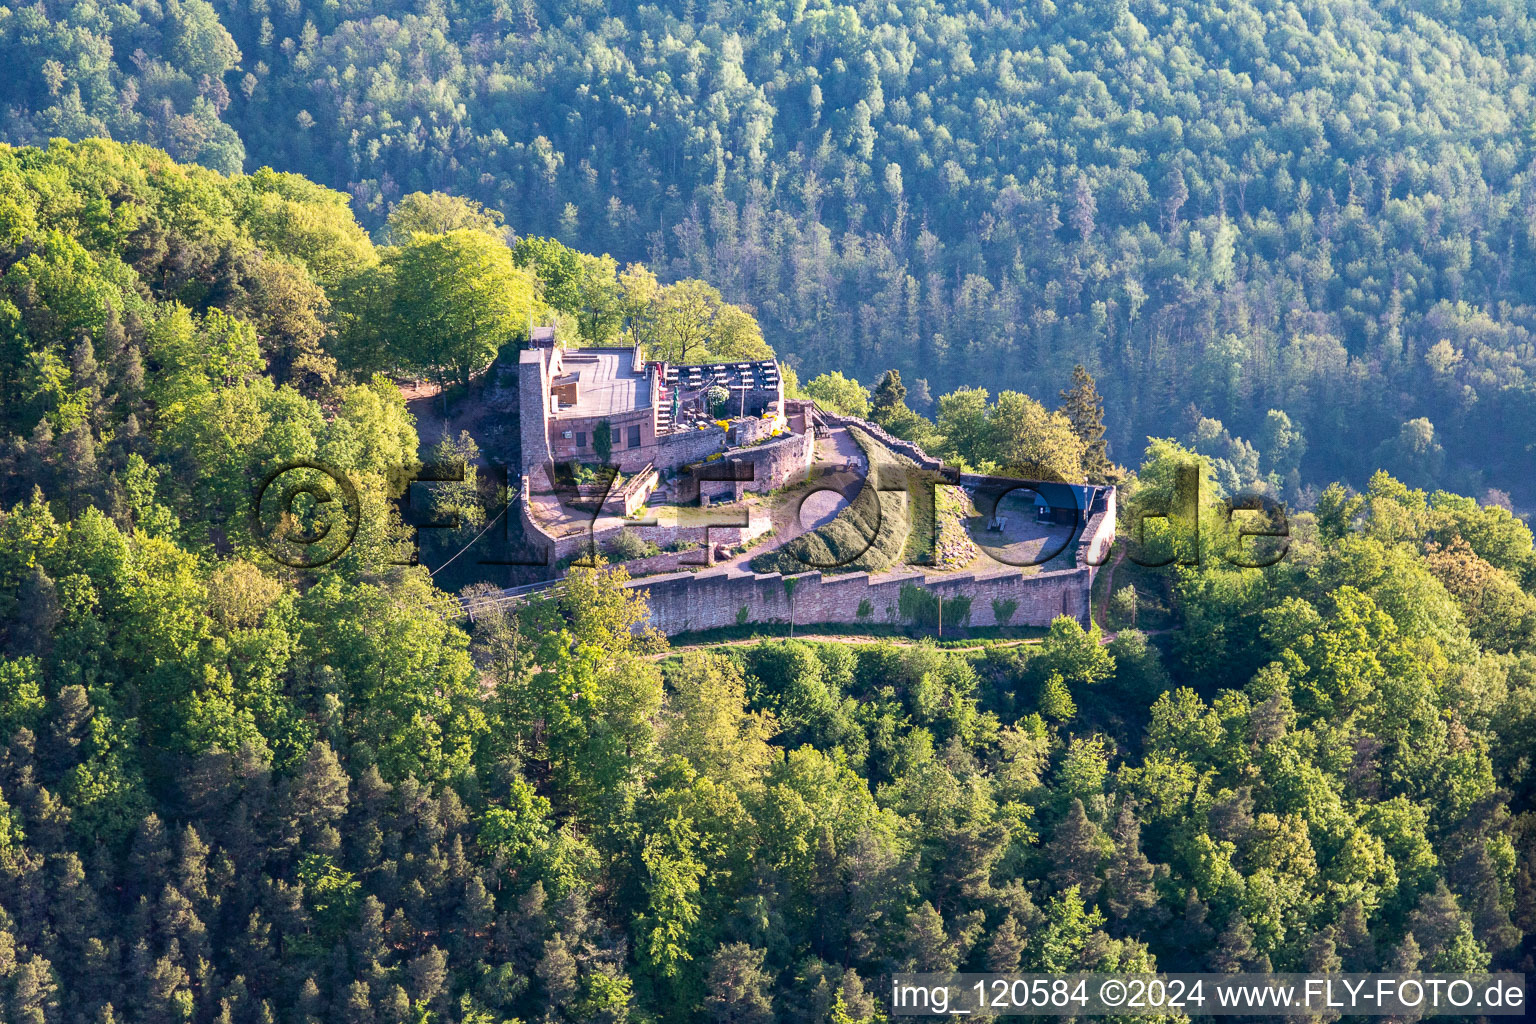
1220, 209
236, 793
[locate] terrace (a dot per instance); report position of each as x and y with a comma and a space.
600, 382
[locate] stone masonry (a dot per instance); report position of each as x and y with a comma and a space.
687, 602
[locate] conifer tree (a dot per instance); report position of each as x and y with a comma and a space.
1129, 878
1235, 952
1077, 849
738, 986
1083, 207
1085, 408
928, 945
1356, 945
890, 393
1007, 946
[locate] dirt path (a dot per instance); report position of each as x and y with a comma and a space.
431, 425
468, 409
834, 449
1102, 617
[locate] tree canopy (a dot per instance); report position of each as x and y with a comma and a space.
1240, 208
1288, 240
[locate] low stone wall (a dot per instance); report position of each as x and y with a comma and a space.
759, 469
895, 444
753, 429
1094, 543
685, 602
722, 526
725, 525
633, 493
673, 450
669, 562
536, 537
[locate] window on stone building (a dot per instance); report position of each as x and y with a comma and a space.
581, 439
634, 437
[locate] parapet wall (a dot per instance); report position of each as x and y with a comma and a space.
896, 444
533, 404
760, 468
686, 602
1094, 542
684, 446
723, 525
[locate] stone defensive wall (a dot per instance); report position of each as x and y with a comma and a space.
895, 444
716, 598
685, 602
711, 599
1098, 536
765, 466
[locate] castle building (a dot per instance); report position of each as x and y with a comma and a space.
655, 415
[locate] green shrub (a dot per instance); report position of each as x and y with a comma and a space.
1056, 701
602, 441
918, 606
957, 611
1122, 606
629, 545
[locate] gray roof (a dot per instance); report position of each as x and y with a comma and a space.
606, 385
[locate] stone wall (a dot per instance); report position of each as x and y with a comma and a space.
632, 494
895, 444
759, 469
536, 537
688, 601
533, 404
681, 447
622, 500
754, 429
581, 446
716, 598
1094, 543
723, 525
685, 602
542, 433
